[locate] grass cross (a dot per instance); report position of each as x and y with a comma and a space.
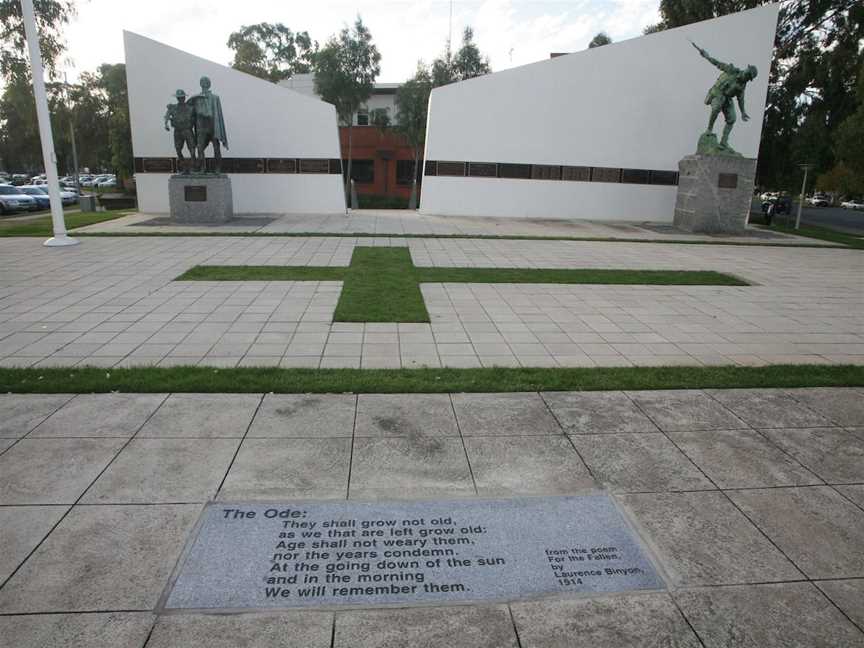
382, 284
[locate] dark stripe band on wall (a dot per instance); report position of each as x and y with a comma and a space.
247, 165
511, 171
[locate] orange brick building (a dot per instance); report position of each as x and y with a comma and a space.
382, 162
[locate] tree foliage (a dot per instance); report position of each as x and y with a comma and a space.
818, 58
466, 63
412, 106
272, 51
51, 16
599, 40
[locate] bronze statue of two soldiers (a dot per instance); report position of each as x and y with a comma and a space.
197, 122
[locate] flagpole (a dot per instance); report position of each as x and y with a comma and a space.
49, 158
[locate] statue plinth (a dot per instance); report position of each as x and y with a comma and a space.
715, 193
203, 198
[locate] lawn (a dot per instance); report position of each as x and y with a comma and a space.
261, 380
383, 285
42, 226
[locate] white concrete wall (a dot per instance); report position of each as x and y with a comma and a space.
262, 120
634, 104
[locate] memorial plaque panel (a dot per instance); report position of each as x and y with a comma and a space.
545, 172
451, 168
335, 167
605, 174
727, 181
311, 165
577, 173
249, 165
483, 169
281, 165
157, 165
514, 171
635, 176
308, 554
664, 177
431, 168
195, 193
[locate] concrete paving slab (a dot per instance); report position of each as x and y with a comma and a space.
442, 627
150, 471
504, 414
835, 454
787, 615
742, 459
289, 468
305, 415
53, 471
854, 493
628, 621
639, 463
22, 528
815, 526
848, 595
768, 408
422, 466
536, 465
402, 415
107, 630
685, 410
285, 630
597, 412
843, 406
102, 557
20, 413
202, 415
702, 539
100, 415
6, 443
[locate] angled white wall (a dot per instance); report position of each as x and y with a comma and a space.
263, 120
637, 104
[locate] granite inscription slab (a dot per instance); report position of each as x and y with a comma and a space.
309, 554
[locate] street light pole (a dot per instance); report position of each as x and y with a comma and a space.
806, 168
49, 158
72, 137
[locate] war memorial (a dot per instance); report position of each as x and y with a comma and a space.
272, 422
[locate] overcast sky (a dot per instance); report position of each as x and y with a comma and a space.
510, 32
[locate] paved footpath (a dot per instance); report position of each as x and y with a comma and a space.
752, 502
114, 302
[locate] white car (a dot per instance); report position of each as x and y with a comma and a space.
818, 200
107, 182
852, 204
13, 199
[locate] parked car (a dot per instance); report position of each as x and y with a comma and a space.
853, 204
818, 200
12, 199
40, 196
105, 182
19, 179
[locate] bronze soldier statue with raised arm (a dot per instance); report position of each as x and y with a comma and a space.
209, 125
721, 97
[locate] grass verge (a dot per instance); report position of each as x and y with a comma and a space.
43, 227
287, 381
821, 233
383, 285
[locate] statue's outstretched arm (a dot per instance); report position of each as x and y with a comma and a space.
726, 67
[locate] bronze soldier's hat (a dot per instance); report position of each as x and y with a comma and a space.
180, 93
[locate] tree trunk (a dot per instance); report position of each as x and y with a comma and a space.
412, 201
348, 179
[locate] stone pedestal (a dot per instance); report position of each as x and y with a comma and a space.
714, 193
204, 198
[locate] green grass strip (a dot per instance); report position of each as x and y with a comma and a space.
383, 285
821, 233
43, 227
288, 381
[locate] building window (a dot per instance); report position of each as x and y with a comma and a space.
404, 170
363, 117
362, 171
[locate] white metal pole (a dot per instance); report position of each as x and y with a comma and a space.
49, 158
801, 199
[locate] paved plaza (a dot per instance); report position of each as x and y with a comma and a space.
114, 302
750, 501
